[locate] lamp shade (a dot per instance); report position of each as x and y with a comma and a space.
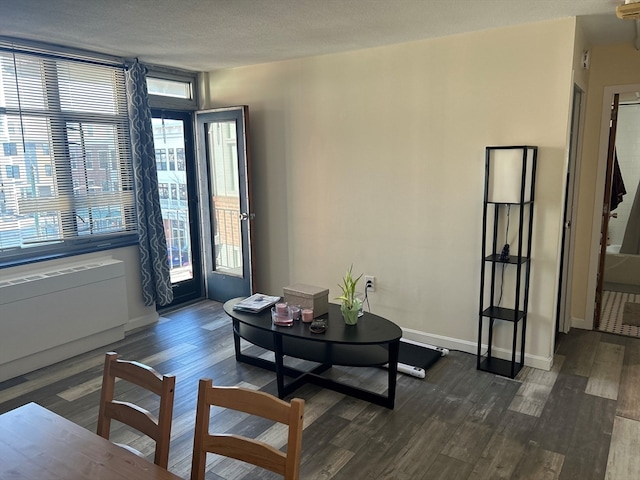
508, 169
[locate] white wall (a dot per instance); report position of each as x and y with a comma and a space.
376, 158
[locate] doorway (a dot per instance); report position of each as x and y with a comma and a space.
617, 280
177, 185
227, 213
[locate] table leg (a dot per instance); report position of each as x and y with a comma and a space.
394, 349
236, 339
277, 339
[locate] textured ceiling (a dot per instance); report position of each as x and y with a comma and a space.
206, 35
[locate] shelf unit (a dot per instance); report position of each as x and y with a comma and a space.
508, 191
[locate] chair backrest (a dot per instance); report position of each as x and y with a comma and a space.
159, 429
242, 448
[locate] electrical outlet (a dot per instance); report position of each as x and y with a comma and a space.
370, 283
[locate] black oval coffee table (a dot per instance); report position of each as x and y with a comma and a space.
374, 341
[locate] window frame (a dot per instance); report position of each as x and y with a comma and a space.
173, 103
81, 243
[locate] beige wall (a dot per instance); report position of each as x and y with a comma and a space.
580, 74
611, 65
376, 158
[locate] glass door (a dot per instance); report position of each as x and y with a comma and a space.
177, 184
223, 151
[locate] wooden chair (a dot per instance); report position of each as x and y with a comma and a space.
159, 429
242, 448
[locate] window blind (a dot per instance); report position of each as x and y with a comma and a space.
66, 173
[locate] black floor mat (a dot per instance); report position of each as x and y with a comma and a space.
417, 356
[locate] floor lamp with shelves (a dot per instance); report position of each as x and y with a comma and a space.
507, 222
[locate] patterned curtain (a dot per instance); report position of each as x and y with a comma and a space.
154, 264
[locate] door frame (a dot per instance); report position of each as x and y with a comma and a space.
596, 229
188, 290
563, 313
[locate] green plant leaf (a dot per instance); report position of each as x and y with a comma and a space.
348, 288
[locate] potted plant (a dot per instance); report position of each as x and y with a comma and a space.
350, 306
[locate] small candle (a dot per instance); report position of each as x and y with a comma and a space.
281, 308
295, 312
307, 315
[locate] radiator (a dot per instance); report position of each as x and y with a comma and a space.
50, 315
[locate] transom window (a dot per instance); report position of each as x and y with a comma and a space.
169, 88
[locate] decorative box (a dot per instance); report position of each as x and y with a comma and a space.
308, 296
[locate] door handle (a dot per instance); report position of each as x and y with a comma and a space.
246, 216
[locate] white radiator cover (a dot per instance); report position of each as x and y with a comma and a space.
50, 315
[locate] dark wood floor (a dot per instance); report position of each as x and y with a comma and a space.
579, 421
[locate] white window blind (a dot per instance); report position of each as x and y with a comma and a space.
66, 173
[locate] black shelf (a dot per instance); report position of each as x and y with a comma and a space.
526, 202
507, 314
513, 259
500, 367
505, 206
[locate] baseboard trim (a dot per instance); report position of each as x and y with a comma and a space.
580, 323
59, 353
140, 322
535, 361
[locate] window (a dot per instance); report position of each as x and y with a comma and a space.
181, 165
13, 171
69, 116
10, 148
163, 188
172, 159
169, 88
161, 159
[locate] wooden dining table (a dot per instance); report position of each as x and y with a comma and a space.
36, 443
